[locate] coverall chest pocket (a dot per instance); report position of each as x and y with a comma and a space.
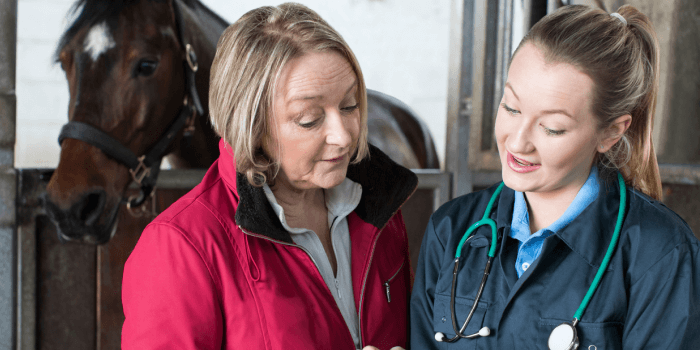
442, 319
591, 335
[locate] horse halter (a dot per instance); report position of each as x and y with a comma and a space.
144, 169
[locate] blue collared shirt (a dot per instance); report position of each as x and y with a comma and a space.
530, 245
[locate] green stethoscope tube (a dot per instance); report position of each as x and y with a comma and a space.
609, 253
484, 221
492, 252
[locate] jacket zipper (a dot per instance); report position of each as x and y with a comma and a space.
386, 284
371, 257
302, 249
283, 243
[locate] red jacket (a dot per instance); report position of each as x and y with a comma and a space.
216, 270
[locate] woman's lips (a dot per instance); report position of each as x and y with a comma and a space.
335, 160
521, 166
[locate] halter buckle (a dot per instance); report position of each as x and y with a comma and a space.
141, 171
143, 210
191, 58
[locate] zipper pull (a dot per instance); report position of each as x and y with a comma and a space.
388, 294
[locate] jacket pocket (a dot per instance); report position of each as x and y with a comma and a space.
442, 319
591, 335
389, 282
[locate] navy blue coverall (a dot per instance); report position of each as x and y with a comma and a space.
649, 297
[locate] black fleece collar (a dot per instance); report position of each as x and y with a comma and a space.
386, 186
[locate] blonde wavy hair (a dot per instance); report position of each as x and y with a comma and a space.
622, 59
250, 56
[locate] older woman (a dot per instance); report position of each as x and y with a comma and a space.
294, 238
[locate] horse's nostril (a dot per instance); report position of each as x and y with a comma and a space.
90, 209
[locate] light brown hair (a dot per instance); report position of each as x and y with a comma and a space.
250, 56
622, 59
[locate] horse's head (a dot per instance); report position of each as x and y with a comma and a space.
124, 64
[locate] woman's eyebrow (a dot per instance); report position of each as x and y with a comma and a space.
558, 111
549, 111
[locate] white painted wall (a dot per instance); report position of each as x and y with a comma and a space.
402, 46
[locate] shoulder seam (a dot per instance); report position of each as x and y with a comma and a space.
181, 232
670, 251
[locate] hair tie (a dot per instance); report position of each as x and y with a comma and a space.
619, 16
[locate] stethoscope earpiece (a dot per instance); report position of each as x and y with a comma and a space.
439, 336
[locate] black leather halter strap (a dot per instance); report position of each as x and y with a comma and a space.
144, 169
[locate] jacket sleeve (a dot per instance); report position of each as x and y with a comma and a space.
422, 335
169, 296
664, 305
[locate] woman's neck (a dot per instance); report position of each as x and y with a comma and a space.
298, 204
307, 209
545, 208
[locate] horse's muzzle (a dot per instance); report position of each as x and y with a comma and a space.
89, 220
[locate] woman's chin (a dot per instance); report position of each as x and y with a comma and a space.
333, 181
515, 181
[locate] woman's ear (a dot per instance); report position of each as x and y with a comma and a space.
614, 132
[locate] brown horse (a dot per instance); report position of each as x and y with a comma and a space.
136, 72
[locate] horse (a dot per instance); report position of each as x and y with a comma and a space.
138, 75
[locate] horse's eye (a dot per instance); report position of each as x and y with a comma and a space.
145, 68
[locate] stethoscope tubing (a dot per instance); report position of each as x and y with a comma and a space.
485, 220
488, 221
460, 333
609, 253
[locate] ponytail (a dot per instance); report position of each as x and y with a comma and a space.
642, 170
621, 56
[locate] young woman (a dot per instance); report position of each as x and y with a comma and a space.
578, 248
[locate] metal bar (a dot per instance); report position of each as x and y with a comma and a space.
482, 78
504, 47
8, 178
437, 180
188, 178
459, 96
680, 174
178, 179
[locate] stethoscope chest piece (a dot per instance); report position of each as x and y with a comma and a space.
563, 337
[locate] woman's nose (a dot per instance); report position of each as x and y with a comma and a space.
519, 140
338, 132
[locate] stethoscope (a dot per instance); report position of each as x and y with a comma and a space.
564, 336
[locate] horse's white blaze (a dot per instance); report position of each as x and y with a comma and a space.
98, 40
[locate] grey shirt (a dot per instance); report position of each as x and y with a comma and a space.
340, 202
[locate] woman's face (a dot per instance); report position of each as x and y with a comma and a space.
315, 121
545, 131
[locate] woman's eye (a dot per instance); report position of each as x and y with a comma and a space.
552, 132
145, 68
509, 110
350, 108
309, 125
